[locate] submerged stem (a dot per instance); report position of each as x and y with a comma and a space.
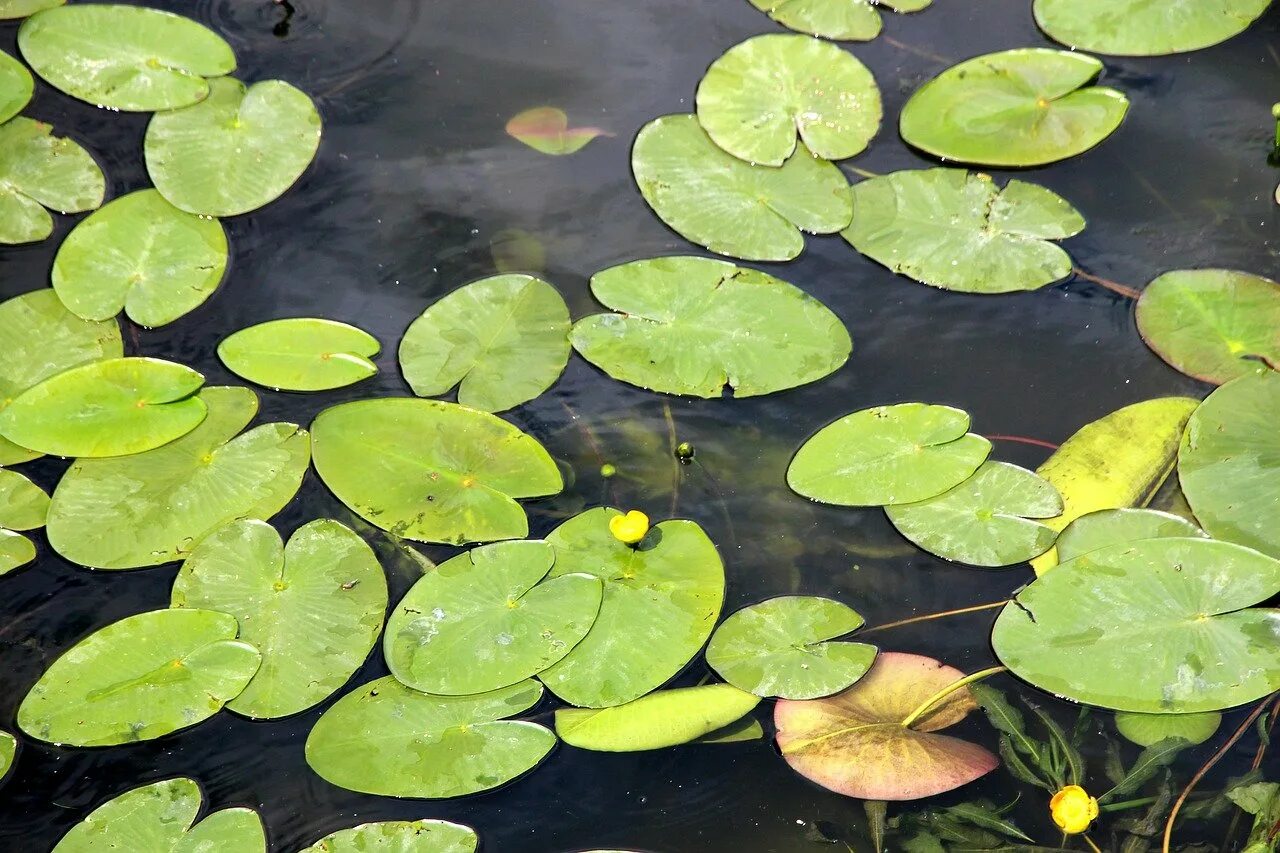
942, 694
931, 616
675, 460
1114, 287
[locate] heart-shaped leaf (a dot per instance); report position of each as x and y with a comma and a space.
662, 719
39, 170
843, 20
546, 129
301, 354
1145, 27
1115, 526
16, 86
399, 836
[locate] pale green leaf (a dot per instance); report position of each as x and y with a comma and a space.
661, 719
16, 86
23, 504
399, 836
1113, 526
300, 354
1145, 27
39, 170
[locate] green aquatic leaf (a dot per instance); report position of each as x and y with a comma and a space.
227, 831
486, 619
153, 507
8, 748
124, 57
39, 170
1212, 324
387, 739
16, 551
546, 130
1150, 729
301, 354
141, 255
235, 151
23, 504
1145, 27
888, 455
139, 679
985, 521
399, 836
13, 9
16, 86
687, 325
1114, 526
779, 648
739, 731
731, 207
761, 94
958, 230
106, 408
661, 719
843, 20
1161, 626
661, 601
502, 340
432, 471
313, 608
1023, 107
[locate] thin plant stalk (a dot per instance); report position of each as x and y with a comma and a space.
942, 694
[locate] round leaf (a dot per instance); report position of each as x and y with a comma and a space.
661, 719
235, 151
502, 340
778, 648
844, 20
313, 609
692, 326
399, 836
13, 9
1145, 27
16, 551
23, 504
16, 86
124, 57
1149, 729
300, 354
756, 98
140, 678
1023, 107
39, 170
729, 206
1115, 526
149, 819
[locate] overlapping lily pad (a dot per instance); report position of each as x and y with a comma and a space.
39, 170
1114, 526
846, 20
1023, 107
313, 608
731, 207
12, 9
1149, 729
1145, 27
661, 719
692, 326
764, 92
958, 230
399, 836
301, 354
16, 86
502, 341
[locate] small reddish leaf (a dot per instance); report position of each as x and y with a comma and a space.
546, 129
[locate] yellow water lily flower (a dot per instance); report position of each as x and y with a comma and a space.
1073, 809
629, 528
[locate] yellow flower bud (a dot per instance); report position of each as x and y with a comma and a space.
629, 528
1073, 809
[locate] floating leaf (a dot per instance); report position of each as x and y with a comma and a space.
729, 206
301, 354
843, 20
106, 408
23, 504
39, 170
139, 679
661, 719
16, 86
855, 743
692, 326
313, 609
502, 340
764, 92
399, 836
13, 9
1114, 526
1145, 27
235, 151
661, 599
546, 129
124, 57
1150, 729
957, 230
16, 551
778, 648
888, 455
432, 471
141, 255
1158, 626
387, 739
486, 619
226, 831
986, 520
153, 507
8, 748
1023, 107
745, 729
1214, 325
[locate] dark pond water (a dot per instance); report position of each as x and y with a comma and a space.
414, 182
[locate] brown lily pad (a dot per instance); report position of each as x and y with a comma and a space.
546, 129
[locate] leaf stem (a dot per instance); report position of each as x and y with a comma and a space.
942, 694
1022, 439
1114, 287
927, 617
675, 460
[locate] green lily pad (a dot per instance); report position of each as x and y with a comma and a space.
1115, 526
1229, 463
764, 92
1214, 325
8, 748
843, 20
23, 504
153, 507
139, 679
1160, 626
661, 601
235, 151
692, 326
400, 836
16, 551
226, 831
13, 9
888, 455
313, 609
432, 471
16, 86
106, 408
739, 731
39, 170
778, 648
661, 719
855, 743
957, 230
1149, 729
546, 130
1145, 27
985, 521
486, 619
141, 255
40, 338
1023, 107
387, 739
301, 354
124, 57
731, 207
502, 340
